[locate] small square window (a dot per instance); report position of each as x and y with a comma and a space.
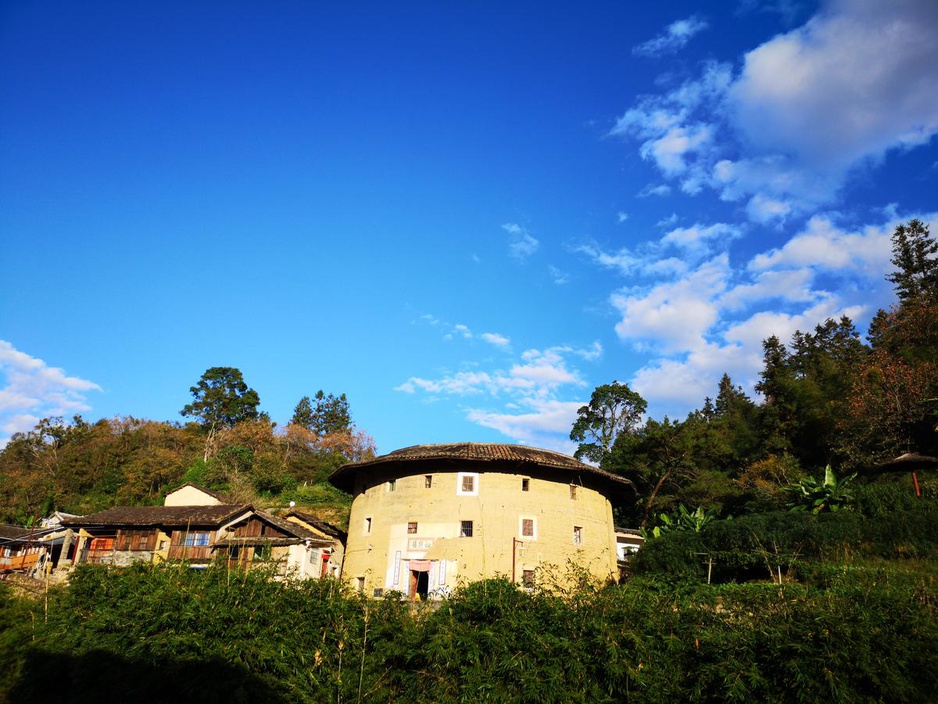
573, 491
577, 535
527, 578
465, 529
428, 481
525, 484
527, 527
467, 484
412, 528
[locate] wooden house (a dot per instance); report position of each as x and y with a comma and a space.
198, 526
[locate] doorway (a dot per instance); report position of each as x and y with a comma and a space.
419, 585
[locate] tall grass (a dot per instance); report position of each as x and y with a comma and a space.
157, 634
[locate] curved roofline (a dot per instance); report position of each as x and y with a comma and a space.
496, 454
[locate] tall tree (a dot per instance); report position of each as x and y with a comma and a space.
221, 399
656, 458
303, 414
915, 255
893, 405
329, 415
613, 409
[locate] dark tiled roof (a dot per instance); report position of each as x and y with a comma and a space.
323, 527
294, 531
8, 532
169, 516
527, 459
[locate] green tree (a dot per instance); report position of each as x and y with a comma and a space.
915, 255
303, 414
329, 415
656, 458
613, 409
221, 399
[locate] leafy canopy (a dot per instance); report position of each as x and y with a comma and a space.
222, 399
330, 414
613, 409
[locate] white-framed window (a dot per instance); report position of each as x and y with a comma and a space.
198, 539
527, 527
577, 535
467, 484
527, 578
412, 528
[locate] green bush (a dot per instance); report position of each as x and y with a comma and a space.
156, 634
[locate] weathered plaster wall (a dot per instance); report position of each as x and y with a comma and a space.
379, 549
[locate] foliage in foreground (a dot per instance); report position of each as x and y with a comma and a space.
159, 634
888, 523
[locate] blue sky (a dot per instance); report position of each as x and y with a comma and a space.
464, 216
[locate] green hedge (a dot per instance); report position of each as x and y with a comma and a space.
888, 522
167, 634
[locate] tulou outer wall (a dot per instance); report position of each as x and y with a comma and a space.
407, 531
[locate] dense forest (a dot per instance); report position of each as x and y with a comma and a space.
782, 564
829, 398
80, 467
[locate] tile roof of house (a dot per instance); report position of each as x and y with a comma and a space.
323, 527
8, 532
296, 529
170, 516
495, 455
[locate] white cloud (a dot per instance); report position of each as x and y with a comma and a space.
678, 130
521, 244
674, 315
545, 423
675, 37
822, 245
34, 390
495, 339
526, 401
808, 109
621, 217
459, 384
698, 237
558, 276
712, 317
791, 285
653, 259
660, 190
856, 80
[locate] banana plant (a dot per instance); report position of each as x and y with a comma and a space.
683, 519
832, 494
